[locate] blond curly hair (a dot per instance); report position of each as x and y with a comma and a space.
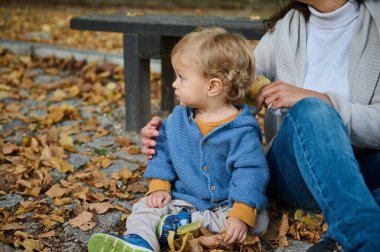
222, 55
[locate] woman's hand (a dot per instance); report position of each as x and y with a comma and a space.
284, 95
236, 231
148, 136
158, 199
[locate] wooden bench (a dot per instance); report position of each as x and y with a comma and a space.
153, 36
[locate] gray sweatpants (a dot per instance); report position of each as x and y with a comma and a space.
144, 220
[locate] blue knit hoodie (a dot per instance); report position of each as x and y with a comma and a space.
225, 166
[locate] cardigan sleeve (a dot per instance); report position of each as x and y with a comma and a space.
264, 56
362, 121
161, 166
250, 172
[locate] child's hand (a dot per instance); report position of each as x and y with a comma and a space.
158, 199
236, 231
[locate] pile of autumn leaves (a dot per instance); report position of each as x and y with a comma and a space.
26, 168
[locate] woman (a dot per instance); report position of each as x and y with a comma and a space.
323, 59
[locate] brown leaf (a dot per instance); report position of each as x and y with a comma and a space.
9, 148
100, 208
12, 226
24, 183
49, 234
137, 188
83, 221
57, 192
195, 246
134, 150
210, 242
284, 227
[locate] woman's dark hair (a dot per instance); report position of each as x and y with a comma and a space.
301, 7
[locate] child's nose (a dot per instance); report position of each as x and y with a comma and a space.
174, 85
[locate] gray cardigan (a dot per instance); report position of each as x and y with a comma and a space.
281, 55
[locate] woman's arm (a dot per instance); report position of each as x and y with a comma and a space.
362, 121
283, 95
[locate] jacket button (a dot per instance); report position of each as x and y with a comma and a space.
204, 142
213, 188
205, 168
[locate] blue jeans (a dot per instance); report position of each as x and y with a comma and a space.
313, 165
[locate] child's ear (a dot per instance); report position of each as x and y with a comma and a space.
215, 87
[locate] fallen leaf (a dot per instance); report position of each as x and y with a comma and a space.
57, 191
11, 226
83, 221
100, 208
137, 188
61, 165
134, 150
49, 234
125, 173
65, 140
105, 162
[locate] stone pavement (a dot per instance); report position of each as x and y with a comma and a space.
75, 239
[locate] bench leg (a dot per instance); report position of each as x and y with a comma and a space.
137, 84
167, 91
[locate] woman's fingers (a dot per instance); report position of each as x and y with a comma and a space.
266, 92
148, 152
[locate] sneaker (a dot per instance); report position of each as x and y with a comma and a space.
172, 222
113, 243
328, 245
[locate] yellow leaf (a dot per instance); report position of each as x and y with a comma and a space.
133, 149
46, 153
105, 162
65, 140
62, 202
312, 222
57, 218
32, 245
34, 144
34, 192
189, 228
61, 165
46, 28
48, 223
59, 95
111, 86
74, 91
125, 174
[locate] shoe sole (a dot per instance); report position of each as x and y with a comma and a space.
109, 243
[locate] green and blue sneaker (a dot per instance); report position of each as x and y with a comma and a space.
113, 243
172, 222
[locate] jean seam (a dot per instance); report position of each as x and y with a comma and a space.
315, 179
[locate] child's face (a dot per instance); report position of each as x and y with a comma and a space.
191, 87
